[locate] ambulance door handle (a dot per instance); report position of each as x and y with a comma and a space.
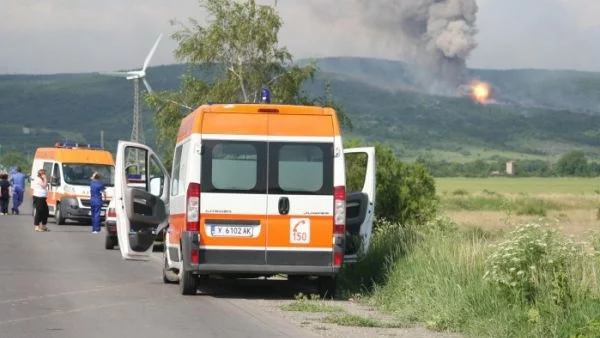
284, 205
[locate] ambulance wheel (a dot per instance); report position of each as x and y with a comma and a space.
188, 283
109, 242
58, 218
326, 286
168, 276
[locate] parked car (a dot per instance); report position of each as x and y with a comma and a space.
110, 225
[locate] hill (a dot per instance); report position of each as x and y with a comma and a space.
542, 112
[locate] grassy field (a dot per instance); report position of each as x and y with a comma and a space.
501, 203
507, 257
515, 185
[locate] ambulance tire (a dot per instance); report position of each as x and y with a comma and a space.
168, 276
188, 283
326, 286
110, 242
58, 216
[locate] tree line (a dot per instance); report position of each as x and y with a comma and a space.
573, 163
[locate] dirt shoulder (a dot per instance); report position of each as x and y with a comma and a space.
347, 319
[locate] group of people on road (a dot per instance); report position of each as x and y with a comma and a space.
39, 187
12, 186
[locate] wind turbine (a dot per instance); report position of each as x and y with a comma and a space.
137, 132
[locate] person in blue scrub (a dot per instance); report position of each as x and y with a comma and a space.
97, 191
17, 180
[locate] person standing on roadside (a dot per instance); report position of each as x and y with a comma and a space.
97, 191
17, 180
40, 193
4, 194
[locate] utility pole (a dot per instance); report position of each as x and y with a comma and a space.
102, 139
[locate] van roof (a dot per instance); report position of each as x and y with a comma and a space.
261, 108
75, 155
245, 119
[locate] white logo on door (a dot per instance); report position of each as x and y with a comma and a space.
300, 230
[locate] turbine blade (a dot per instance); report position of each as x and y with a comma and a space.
118, 74
147, 85
147, 61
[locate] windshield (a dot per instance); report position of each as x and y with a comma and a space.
81, 173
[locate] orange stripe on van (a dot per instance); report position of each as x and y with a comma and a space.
277, 233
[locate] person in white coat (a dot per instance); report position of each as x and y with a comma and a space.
40, 193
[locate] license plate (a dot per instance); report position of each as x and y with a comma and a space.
230, 231
101, 213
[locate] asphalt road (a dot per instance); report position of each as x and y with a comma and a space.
63, 283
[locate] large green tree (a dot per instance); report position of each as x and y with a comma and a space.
231, 59
573, 163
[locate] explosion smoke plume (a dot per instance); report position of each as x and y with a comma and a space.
439, 33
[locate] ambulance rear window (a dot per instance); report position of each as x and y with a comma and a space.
234, 166
301, 168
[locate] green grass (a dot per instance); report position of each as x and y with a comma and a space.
515, 185
347, 319
491, 202
439, 283
312, 303
310, 306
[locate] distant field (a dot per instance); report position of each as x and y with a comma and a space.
528, 185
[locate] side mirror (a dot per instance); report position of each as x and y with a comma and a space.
156, 186
54, 181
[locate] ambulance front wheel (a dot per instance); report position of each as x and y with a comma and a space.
326, 286
58, 217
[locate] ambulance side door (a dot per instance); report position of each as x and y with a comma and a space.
361, 186
141, 207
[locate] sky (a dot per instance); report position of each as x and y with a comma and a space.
58, 36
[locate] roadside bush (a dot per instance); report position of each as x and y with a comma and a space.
405, 193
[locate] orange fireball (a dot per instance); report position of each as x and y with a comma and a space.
480, 91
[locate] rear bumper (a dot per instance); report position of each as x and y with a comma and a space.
111, 227
71, 209
265, 269
314, 263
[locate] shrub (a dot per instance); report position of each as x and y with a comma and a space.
534, 257
405, 193
460, 192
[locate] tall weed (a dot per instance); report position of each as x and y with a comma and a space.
533, 282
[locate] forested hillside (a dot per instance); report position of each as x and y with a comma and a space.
542, 112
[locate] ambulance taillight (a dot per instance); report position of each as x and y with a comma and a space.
339, 210
192, 221
339, 224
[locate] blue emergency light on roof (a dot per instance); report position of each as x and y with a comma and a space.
265, 96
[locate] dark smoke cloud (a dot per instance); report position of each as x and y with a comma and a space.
442, 34
436, 35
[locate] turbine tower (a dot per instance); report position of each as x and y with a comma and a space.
137, 131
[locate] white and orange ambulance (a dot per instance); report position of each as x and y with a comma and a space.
255, 190
69, 167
